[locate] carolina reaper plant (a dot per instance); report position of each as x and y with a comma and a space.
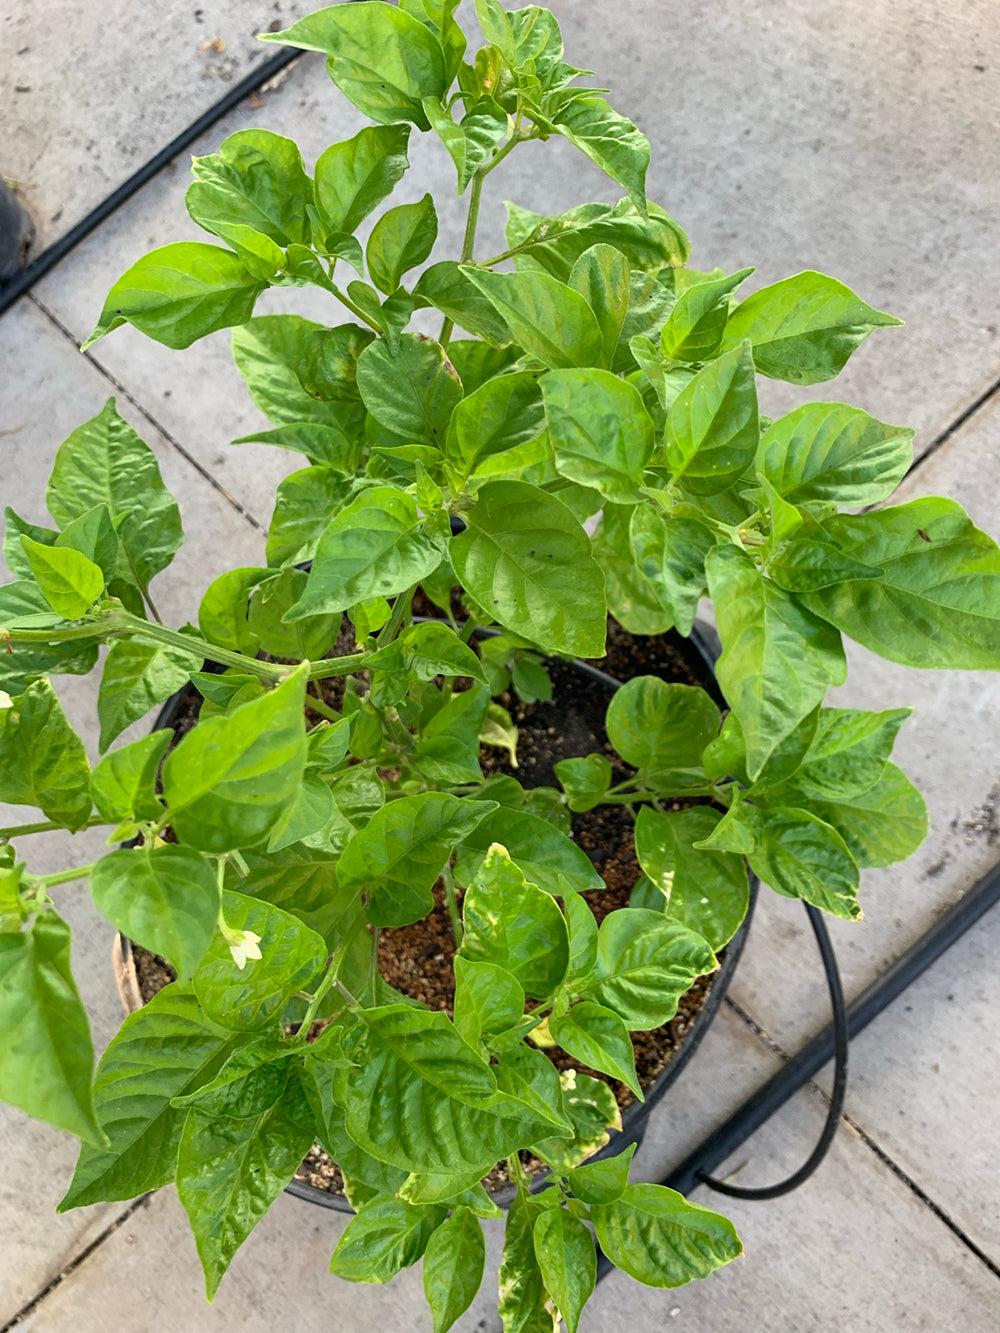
603, 377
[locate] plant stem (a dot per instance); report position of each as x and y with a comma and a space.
452, 901
269, 671
400, 612
335, 666
63, 876
320, 706
45, 826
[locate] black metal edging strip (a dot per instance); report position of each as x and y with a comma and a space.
47, 260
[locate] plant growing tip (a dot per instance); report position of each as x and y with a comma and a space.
591, 445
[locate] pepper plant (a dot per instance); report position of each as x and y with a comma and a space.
593, 446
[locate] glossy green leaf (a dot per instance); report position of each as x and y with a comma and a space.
670, 554
567, 1259
42, 759
123, 783
166, 900
632, 599
252, 1079
412, 392
230, 1171
300, 373
47, 1058
778, 659
603, 1180
711, 433
599, 1038
600, 431
137, 676
848, 752
524, 1303
526, 559
270, 602
656, 1236
593, 1111
69, 582
488, 999
386, 1236
381, 58
582, 928
829, 452
495, 423
471, 141
229, 780
353, 177
453, 1267
255, 180
446, 287
804, 328
705, 891
15, 528
549, 859
800, 856
222, 615
550, 320
660, 727
23, 606
304, 504
584, 780
180, 293
401, 239
649, 244
601, 276
645, 963
811, 559
935, 603
428, 650
93, 534
448, 749
883, 825
698, 320
402, 851
609, 139
514, 925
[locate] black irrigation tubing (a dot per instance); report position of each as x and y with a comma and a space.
47, 260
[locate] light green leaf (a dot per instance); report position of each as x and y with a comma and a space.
656, 1236
412, 392
632, 599
23, 606
402, 238
401, 852
230, 1171
604, 1180
829, 452
448, 749
386, 1236
811, 559
614, 143
514, 925
137, 676
304, 503
705, 891
222, 615
800, 856
698, 320
670, 554
935, 603
166, 900
353, 177
526, 559
446, 287
848, 752
123, 783
47, 1058
104, 462
582, 928
495, 422
42, 759
593, 1111
883, 825
601, 276
584, 780
470, 142
228, 782
93, 535
299, 372
549, 859
711, 433
69, 582
778, 659
15, 528
566, 1257
645, 963
660, 727
599, 1038
453, 1267
255, 180
650, 244
428, 650
488, 1000
252, 1079
600, 430
804, 328
550, 320
271, 600
180, 293
524, 1303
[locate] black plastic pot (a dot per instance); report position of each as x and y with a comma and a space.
697, 654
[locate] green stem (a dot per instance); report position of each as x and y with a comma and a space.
335, 666
400, 613
45, 826
320, 706
452, 901
269, 671
63, 876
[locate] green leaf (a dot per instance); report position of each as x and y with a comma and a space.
582, 928
514, 925
488, 1000
248, 1084
660, 727
800, 856
42, 759
453, 1267
711, 432
69, 582
524, 1303
386, 1236
427, 651
230, 1171
353, 177
550, 320
778, 659
495, 423
848, 752
601, 433
601, 276
137, 676
599, 1038
162, 1051
23, 606
47, 1057
255, 180
448, 749
566, 1257
253, 996
645, 963
804, 328
15, 528
104, 462
656, 1236
614, 143
935, 602
829, 452
592, 1109
300, 373
444, 1113
526, 559
270, 602
446, 287
648, 243
632, 599
180, 293
93, 535
381, 58
585, 780
883, 825
810, 560
304, 503
705, 891
401, 852
166, 900
549, 859
670, 554
402, 238
123, 783
471, 142
229, 780
604, 1180
412, 392
698, 320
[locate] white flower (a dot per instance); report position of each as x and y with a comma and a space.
5, 700
244, 946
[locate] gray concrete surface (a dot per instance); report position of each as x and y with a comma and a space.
856, 137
